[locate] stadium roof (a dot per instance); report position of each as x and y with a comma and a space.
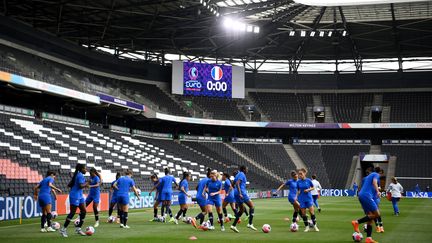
196, 28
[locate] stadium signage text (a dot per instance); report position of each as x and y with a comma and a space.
124, 103
336, 193
410, 194
10, 208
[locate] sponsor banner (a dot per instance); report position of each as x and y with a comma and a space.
124, 103
63, 205
337, 193
146, 200
50, 88
410, 194
10, 207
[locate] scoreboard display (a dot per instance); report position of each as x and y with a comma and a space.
210, 80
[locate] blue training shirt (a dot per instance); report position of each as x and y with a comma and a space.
94, 191
44, 187
226, 187
367, 185
303, 185
185, 185
292, 186
167, 183
201, 185
124, 184
76, 190
242, 177
114, 194
213, 186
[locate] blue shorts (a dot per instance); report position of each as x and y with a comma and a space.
76, 201
241, 200
123, 199
159, 199
113, 200
92, 198
292, 199
214, 201
229, 199
202, 202
182, 198
306, 204
377, 201
166, 196
368, 204
44, 200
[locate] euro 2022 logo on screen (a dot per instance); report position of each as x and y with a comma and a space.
193, 84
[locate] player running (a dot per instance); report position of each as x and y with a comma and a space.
158, 187
229, 196
214, 188
182, 197
304, 187
291, 184
123, 185
396, 190
42, 193
241, 197
316, 192
201, 200
366, 197
94, 194
166, 193
113, 201
76, 200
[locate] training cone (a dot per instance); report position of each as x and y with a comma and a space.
193, 238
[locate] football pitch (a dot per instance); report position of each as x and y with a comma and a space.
413, 225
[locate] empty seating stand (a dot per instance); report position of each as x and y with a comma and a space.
409, 107
347, 107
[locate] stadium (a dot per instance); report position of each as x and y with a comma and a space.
103, 103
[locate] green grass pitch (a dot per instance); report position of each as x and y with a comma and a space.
413, 225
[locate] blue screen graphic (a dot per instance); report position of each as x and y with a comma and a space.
210, 80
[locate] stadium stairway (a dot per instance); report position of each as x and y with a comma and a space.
391, 169
254, 163
294, 156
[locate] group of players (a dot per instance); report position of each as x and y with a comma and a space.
303, 195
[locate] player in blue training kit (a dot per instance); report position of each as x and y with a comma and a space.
157, 183
123, 185
304, 196
214, 188
166, 193
44, 199
201, 200
368, 192
241, 197
182, 197
76, 200
113, 201
291, 184
94, 194
229, 196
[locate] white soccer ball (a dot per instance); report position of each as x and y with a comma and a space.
188, 220
111, 219
294, 227
139, 191
76, 222
357, 237
205, 226
55, 225
266, 228
54, 214
162, 219
310, 222
90, 231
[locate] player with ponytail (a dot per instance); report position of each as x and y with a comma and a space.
94, 193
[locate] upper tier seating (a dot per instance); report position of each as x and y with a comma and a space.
347, 107
409, 107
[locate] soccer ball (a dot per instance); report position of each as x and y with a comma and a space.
188, 220
294, 227
76, 222
54, 214
357, 237
90, 231
205, 226
138, 191
55, 225
310, 223
111, 219
162, 219
266, 228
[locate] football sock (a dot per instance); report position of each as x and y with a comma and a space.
313, 219
169, 211
363, 220
179, 213
155, 210
163, 210
184, 212
49, 217
251, 215
121, 218
246, 212
211, 218
82, 216
295, 214
238, 215
369, 230
305, 220
225, 212
110, 211
380, 223
68, 219
43, 220
96, 213
200, 216
125, 217
221, 219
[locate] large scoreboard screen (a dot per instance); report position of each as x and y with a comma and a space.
211, 80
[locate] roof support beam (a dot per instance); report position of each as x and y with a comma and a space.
354, 50
396, 37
